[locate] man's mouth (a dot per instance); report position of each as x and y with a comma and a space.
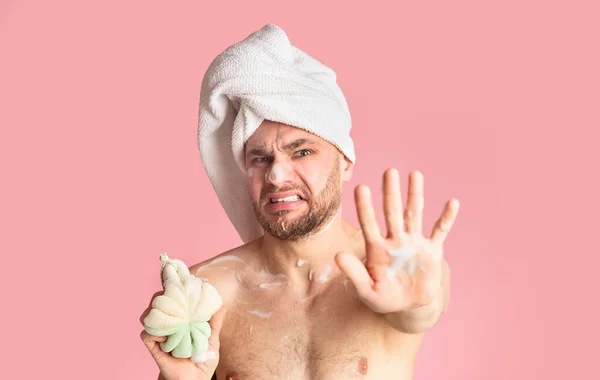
291, 198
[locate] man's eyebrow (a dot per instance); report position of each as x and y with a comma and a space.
257, 152
297, 143
289, 146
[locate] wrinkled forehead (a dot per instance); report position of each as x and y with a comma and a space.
270, 133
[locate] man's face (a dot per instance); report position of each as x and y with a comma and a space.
294, 179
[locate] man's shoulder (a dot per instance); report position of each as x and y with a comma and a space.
229, 259
221, 270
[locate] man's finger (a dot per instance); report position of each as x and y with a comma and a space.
356, 271
366, 215
392, 204
413, 215
152, 344
216, 323
147, 311
445, 222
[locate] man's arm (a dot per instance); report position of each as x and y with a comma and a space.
423, 318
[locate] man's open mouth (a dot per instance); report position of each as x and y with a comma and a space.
291, 198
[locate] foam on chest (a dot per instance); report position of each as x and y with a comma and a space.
331, 333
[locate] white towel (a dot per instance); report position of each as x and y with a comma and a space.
263, 77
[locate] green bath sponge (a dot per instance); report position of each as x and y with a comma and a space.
183, 311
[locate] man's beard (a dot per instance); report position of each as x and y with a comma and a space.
321, 210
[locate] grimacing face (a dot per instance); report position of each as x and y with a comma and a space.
294, 180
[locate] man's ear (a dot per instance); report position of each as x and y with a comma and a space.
347, 168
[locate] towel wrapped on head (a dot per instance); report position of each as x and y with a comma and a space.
263, 77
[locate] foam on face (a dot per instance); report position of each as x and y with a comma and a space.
277, 173
316, 173
300, 262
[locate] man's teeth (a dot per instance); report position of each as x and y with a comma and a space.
291, 198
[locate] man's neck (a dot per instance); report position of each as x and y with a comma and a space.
310, 259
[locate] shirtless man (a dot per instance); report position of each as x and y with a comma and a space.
316, 297
308, 295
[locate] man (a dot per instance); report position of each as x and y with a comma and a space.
308, 296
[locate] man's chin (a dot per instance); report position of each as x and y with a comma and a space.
287, 216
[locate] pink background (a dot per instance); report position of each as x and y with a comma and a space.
497, 105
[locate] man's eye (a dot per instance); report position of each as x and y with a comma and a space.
259, 160
303, 152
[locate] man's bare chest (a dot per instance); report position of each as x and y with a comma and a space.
275, 336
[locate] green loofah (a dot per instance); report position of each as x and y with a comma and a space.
183, 311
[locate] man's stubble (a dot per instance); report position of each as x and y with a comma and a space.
321, 210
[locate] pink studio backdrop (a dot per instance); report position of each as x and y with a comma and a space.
497, 104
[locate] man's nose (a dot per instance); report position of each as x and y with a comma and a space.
279, 173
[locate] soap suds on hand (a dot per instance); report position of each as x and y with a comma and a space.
444, 227
399, 258
204, 357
